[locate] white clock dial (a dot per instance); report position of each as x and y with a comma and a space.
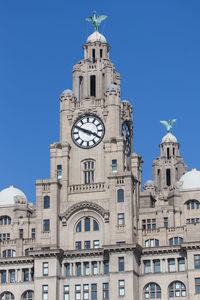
88, 131
127, 137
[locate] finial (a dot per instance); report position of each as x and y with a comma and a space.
168, 124
96, 20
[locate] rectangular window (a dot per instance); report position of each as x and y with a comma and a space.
96, 244
121, 263
33, 233
86, 291
171, 265
86, 268
21, 233
181, 264
46, 225
147, 266
120, 219
168, 155
121, 288
66, 292
166, 222
106, 290
156, 266
94, 291
45, 268
114, 165
78, 245
106, 267
45, 292
197, 285
67, 270
87, 224
93, 85
46, 202
94, 268
87, 244
25, 273
12, 276
77, 292
168, 177
78, 269
59, 171
3, 276
197, 261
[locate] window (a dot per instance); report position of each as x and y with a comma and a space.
152, 243
121, 288
120, 195
106, 290
175, 241
86, 291
96, 244
7, 296
78, 245
87, 224
78, 269
114, 165
197, 285
147, 266
149, 224
93, 56
181, 264
3, 276
94, 268
21, 233
94, 291
120, 243
46, 225
77, 292
88, 171
93, 85
66, 292
165, 222
152, 291
120, 219
78, 227
168, 177
192, 204
27, 251
59, 171
171, 265
12, 276
33, 233
168, 155
106, 267
45, 292
67, 270
197, 261
87, 244
156, 266
177, 289
9, 253
5, 220
45, 268
121, 263
193, 220
86, 268
25, 273
46, 202
28, 295
101, 53
95, 225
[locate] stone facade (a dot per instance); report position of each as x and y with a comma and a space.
93, 233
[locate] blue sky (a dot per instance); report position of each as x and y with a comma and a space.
155, 46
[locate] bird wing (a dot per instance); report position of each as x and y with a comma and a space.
172, 122
90, 19
165, 123
101, 18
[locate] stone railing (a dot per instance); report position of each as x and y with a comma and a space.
29, 241
86, 188
8, 242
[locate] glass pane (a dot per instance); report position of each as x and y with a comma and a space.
87, 224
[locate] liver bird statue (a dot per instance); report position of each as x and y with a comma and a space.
168, 124
96, 20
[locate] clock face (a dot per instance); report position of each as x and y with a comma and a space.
127, 137
88, 131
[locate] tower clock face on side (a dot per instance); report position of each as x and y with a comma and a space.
88, 131
127, 137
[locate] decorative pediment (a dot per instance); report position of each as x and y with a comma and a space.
82, 206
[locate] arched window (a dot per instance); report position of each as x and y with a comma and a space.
5, 220
88, 171
7, 296
152, 243
175, 241
87, 224
192, 204
28, 295
46, 202
177, 289
9, 253
120, 195
152, 291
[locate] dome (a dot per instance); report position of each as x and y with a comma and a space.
12, 196
149, 185
169, 138
67, 93
96, 37
112, 88
190, 180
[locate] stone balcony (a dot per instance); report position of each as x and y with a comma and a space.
86, 188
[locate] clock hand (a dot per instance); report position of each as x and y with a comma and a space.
88, 131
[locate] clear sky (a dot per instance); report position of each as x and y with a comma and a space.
155, 45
